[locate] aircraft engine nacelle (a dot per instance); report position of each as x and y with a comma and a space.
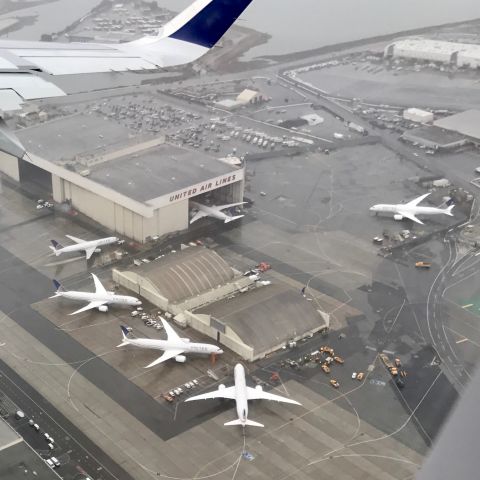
98, 250
221, 386
180, 358
259, 388
397, 216
103, 308
185, 339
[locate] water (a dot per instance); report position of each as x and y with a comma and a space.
51, 17
306, 24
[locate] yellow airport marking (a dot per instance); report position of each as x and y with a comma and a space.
462, 340
468, 306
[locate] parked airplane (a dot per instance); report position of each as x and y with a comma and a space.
214, 211
90, 247
241, 394
100, 299
28, 69
173, 346
411, 209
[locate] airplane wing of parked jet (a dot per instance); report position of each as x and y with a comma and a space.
226, 392
410, 216
75, 239
230, 205
167, 355
200, 214
90, 306
254, 394
172, 335
99, 288
415, 202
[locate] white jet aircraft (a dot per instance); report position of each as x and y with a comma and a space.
241, 394
215, 211
100, 299
411, 209
90, 247
173, 346
28, 69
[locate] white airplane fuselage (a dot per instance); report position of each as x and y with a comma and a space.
241, 399
212, 212
397, 208
181, 344
108, 298
86, 245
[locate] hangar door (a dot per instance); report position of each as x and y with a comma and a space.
35, 179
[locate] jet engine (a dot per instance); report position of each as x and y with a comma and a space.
103, 308
98, 250
397, 216
180, 358
259, 388
221, 386
185, 339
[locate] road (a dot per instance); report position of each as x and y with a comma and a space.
75, 452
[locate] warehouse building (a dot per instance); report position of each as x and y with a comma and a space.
138, 188
435, 138
200, 289
418, 116
458, 54
465, 123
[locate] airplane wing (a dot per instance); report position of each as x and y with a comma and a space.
89, 252
167, 355
230, 205
99, 288
90, 306
254, 394
75, 239
171, 333
411, 216
227, 392
415, 202
200, 214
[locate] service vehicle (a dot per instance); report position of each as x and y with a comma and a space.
423, 264
360, 376
334, 383
339, 360
325, 368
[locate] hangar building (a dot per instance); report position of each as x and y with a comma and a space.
138, 187
201, 290
459, 54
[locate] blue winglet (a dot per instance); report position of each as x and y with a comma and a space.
210, 24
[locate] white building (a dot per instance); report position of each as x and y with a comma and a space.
417, 115
459, 54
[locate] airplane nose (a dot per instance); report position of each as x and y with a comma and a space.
219, 351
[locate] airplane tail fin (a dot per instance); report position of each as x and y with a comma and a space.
58, 287
125, 332
55, 247
205, 21
448, 210
231, 219
250, 423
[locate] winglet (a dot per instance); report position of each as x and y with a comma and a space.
205, 21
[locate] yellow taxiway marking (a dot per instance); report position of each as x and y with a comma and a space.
468, 306
462, 340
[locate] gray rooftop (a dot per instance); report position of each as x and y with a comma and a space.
158, 171
434, 134
467, 123
187, 273
267, 317
142, 176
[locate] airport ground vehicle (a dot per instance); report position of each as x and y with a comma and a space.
334, 383
360, 376
423, 264
325, 368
